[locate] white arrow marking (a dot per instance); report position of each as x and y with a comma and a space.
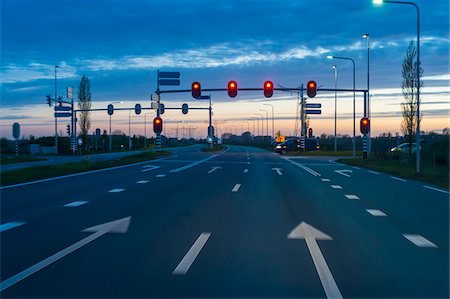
278, 170
344, 171
311, 234
149, 167
192, 254
214, 169
117, 226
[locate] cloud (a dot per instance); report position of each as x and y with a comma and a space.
443, 77
35, 71
15, 117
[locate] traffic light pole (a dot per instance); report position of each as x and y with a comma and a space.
158, 147
302, 119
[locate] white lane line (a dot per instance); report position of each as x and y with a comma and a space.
116, 190
192, 164
419, 241
75, 204
142, 182
355, 167
398, 179
344, 172
10, 225
325, 180
160, 175
376, 213
336, 187
435, 189
351, 196
314, 173
374, 172
245, 170
149, 168
80, 173
236, 188
278, 170
214, 169
192, 254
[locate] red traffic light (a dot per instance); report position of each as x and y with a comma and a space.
232, 89
311, 89
364, 125
268, 89
157, 125
310, 133
196, 90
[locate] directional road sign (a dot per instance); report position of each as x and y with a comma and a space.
313, 105
169, 75
63, 108
175, 82
63, 114
313, 111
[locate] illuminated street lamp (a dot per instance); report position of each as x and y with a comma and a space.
367, 36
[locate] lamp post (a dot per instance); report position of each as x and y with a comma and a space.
110, 136
273, 119
354, 102
129, 129
417, 75
267, 120
145, 129
367, 36
56, 119
335, 107
262, 122
253, 121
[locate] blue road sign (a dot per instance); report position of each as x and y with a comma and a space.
313, 105
63, 114
175, 82
204, 97
313, 111
169, 75
63, 108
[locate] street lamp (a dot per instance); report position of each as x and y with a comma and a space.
367, 36
335, 107
110, 136
273, 122
145, 129
56, 119
262, 122
354, 102
253, 121
417, 75
267, 120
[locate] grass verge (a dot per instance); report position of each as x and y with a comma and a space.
438, 175
47, 171
215, 148
10, 160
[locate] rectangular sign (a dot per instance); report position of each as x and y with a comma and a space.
169, 75
313, 111
153, 105
63, 108
313, 105
169, 82
63, 114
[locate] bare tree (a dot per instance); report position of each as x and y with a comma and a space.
409, 89
84, 103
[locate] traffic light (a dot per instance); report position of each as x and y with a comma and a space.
157, 125
310, 133
311, 89
196, 90
364, 125
268, 89
68, 129
232, 89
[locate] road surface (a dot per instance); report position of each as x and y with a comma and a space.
241, 223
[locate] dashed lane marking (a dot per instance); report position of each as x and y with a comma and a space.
116, 190
192, 254
236, 188
160, 175
351, 196
419, 241
355, 167
142, 182
10, 225
245, 170
373, 172
325, 180
75, 204
376, 213
398, 179
336, 187
435, 189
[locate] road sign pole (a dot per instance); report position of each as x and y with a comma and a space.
302, 119
158, 135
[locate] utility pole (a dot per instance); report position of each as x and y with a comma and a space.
56, 119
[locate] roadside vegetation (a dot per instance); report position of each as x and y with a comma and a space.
5, 159
47, 171
215, 148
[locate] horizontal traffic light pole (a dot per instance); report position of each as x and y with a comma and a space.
261, 89
166, 108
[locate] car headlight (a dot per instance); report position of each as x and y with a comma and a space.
278, 146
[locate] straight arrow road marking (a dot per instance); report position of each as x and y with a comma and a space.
10, 225
214, 169
191, 255
278, 170
236, 188
75, 204
149, 168
344, 172
311, 234
419, 241
117, 226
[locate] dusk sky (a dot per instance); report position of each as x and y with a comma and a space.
120, 45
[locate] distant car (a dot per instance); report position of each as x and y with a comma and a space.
404, 149
293, 144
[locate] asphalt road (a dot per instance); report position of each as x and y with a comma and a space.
242, 223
